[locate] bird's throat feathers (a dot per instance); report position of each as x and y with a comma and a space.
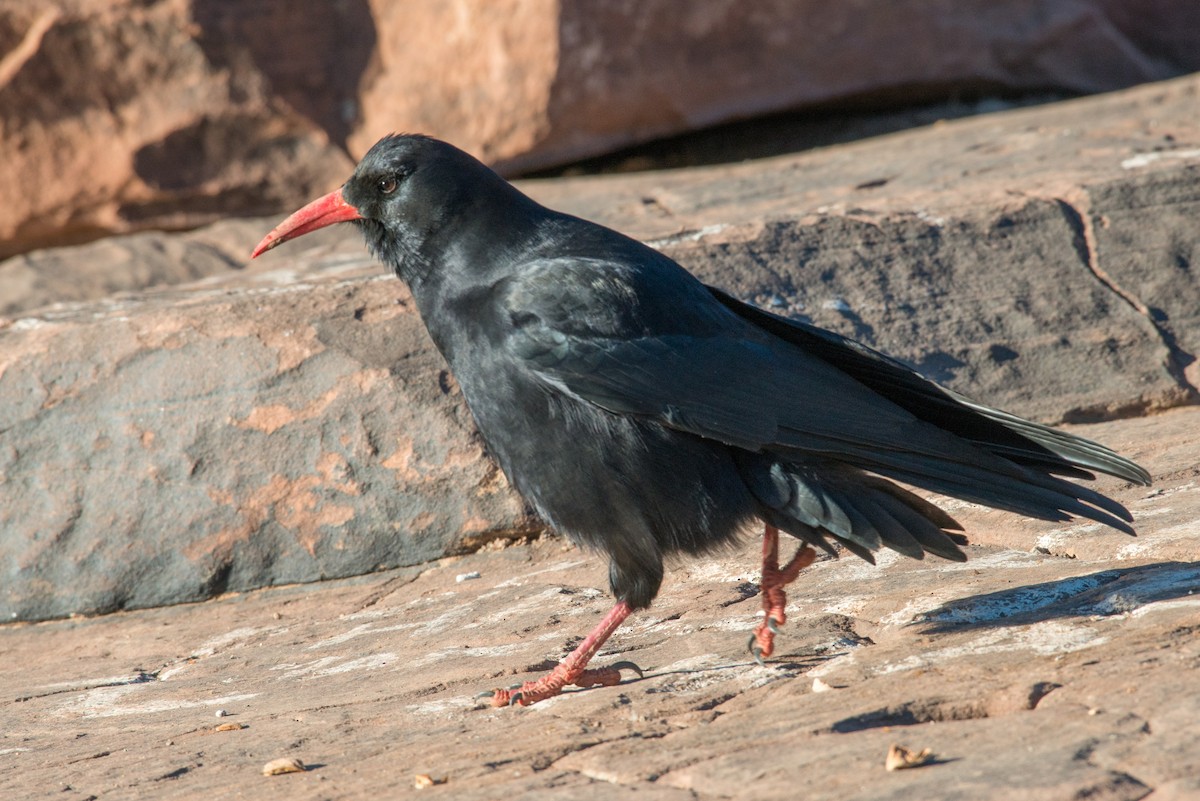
397, 252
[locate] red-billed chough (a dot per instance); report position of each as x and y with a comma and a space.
644, 413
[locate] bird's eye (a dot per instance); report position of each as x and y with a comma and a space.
387, 184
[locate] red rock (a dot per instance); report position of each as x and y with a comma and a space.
122, 116
117, 119
181, 445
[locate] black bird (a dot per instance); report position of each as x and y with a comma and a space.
644, 413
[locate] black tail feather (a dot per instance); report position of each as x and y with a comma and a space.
994, 458
861, 512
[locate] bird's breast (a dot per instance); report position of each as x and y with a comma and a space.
600, 477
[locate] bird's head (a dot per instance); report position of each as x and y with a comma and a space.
405, 191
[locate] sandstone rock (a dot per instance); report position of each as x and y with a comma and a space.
178, 446
290, 421
123, 264
122, 115
117, 117
1026, 674
630, 72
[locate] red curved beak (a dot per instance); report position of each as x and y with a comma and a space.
323, 211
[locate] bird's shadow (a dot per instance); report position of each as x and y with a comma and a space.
1106, 592
1103, 593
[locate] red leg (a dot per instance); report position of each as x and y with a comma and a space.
774, 599
573, 669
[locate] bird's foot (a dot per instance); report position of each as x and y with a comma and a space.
552, 683
762, 641
774, 598
573, 669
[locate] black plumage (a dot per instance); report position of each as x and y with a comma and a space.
644, 413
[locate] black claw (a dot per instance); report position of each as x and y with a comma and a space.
492, 693
629, 666
754, 649
772, 625
515, 699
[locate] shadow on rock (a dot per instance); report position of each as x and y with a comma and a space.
1107, 592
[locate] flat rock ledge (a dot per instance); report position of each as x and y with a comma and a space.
1055, 665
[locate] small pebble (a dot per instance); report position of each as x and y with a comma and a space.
222, 713
283, 765
901, 758
820, 686
461, 577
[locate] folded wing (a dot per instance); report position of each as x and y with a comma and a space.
764, 384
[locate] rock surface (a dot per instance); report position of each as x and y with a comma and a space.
138, 432
121, 115
1054, 665
118, 116
290, 421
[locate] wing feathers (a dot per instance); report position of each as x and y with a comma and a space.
800, 396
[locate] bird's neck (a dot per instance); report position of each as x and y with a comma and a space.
453, 269
475, 243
